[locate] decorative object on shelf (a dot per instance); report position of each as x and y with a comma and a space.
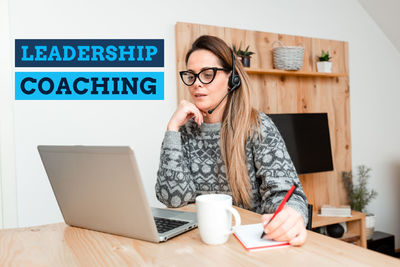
243, 55
320, 230
359, 196
287, 57
336, 211
335, 230
324, 65
344, 225
370, 221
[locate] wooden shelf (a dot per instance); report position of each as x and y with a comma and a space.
294, 73
319, 221
355, 226
350, 237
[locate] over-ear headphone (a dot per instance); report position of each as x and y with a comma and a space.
234, 81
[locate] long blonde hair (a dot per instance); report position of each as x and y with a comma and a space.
238, 121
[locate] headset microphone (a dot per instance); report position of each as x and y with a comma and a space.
212, 110
234, 82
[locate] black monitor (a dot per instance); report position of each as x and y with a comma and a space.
307, 140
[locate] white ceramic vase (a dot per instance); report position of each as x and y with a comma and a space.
370, 220
324, 66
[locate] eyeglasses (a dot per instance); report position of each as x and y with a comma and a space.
205, 76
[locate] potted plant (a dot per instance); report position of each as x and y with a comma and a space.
359, 196
244, 55
324, 65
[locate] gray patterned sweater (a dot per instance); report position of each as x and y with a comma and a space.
191, 165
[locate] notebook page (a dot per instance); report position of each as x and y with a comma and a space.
250, 237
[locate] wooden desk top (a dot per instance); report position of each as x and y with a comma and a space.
62, 245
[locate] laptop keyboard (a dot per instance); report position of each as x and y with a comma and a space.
164, 225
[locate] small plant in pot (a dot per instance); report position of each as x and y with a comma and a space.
324, 65
359, 196
244, 55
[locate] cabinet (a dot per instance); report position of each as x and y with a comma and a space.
382, 242
355, 226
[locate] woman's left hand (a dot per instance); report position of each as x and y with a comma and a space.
288, 225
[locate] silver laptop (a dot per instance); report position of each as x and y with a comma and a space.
100, 188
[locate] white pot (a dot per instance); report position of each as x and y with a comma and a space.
324, 66
370, 220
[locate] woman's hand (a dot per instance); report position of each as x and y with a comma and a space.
288, 225
183, 114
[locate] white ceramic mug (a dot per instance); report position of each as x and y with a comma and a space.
214, 216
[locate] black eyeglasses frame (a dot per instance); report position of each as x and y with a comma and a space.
197, 75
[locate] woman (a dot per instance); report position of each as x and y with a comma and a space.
215, 131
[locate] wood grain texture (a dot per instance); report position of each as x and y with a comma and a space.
294, 73
307, 92
61, 245
326, 220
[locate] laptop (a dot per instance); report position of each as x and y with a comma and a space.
100, 188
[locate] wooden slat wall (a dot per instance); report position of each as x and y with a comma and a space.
292, 94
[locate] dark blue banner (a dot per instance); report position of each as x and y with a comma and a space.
89, 53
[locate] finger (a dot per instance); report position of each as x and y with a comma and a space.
291, 233
266, 218
191, 110
278, 220
198, 115
288, 224
300, 239
189, 115
196, 118
286, 214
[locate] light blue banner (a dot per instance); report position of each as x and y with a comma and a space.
89, 85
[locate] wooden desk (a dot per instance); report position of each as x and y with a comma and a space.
62, 245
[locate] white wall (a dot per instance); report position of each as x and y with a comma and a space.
374, 83
8, 189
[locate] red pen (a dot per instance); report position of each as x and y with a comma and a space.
285, 199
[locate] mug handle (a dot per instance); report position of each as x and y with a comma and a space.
235, 214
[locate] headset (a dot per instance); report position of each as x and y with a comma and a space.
234, 82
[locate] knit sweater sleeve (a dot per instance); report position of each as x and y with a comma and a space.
276, 171
174, 186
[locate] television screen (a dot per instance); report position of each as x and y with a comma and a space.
307, 140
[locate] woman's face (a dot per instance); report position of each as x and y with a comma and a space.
207, 96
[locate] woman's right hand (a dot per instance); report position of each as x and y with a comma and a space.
183, 114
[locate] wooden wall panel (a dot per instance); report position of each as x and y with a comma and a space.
291, 94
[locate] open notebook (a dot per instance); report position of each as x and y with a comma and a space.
250, 237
